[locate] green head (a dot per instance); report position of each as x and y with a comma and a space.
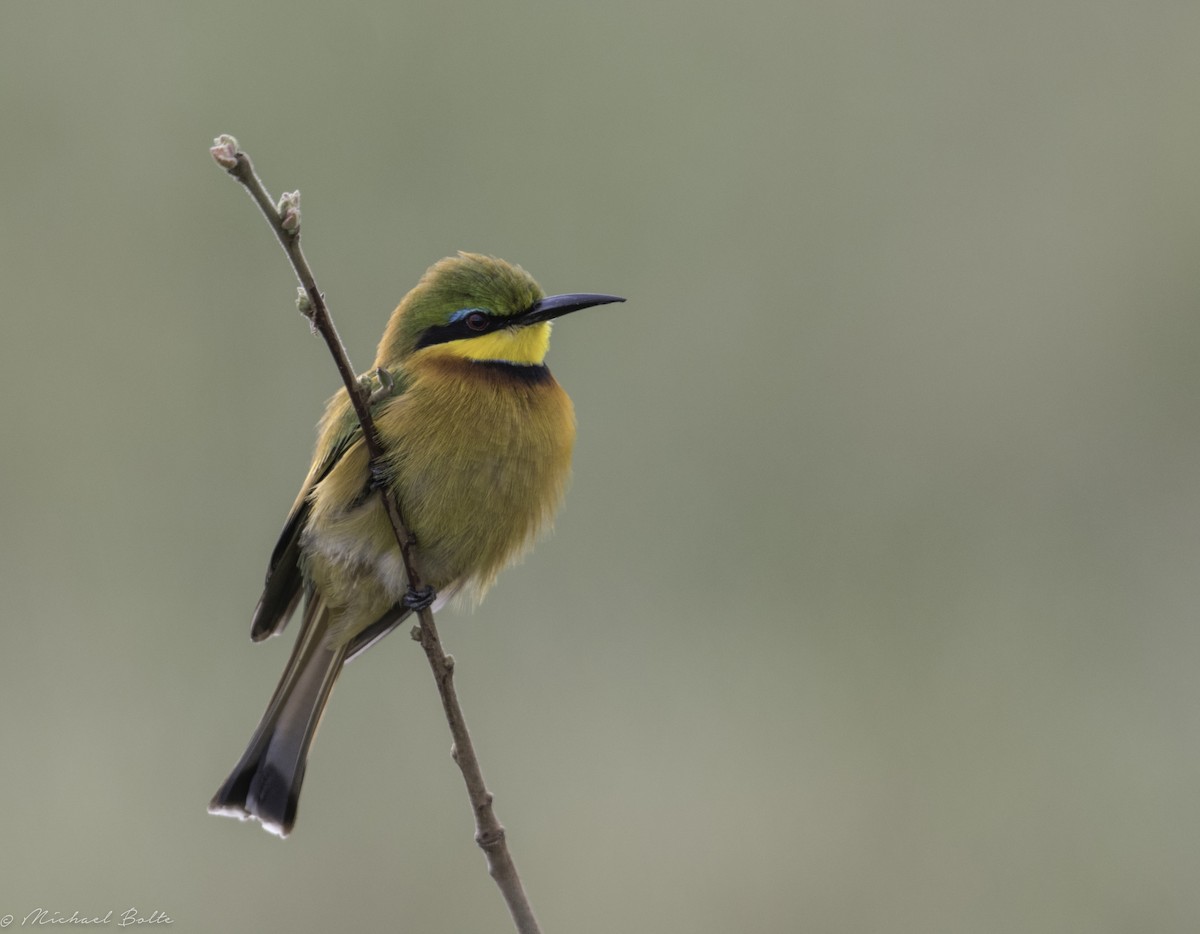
477, 307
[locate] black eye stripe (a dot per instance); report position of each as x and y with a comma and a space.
470, 325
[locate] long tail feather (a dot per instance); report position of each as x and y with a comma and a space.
265, 784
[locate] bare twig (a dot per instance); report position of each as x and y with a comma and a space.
284, 219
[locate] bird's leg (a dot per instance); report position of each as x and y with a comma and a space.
380, 476
387, 386
417, 600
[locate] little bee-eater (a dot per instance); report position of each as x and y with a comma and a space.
477, 438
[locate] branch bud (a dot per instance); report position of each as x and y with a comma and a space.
225, 151
289, 211
386, 387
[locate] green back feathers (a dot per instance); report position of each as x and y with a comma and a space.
468, 280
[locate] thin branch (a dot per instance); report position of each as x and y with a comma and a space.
284, 219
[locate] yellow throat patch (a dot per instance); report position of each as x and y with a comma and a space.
525, 345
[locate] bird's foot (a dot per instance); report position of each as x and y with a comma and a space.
380, 475
417, 600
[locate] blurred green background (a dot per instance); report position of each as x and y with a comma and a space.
873, 604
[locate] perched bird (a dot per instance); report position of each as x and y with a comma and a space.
477, 436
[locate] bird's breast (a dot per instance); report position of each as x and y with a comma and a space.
480, 455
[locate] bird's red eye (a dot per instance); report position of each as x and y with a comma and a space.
477, 321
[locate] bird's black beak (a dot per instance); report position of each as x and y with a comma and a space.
555, 306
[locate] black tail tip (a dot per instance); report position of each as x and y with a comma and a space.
260, 794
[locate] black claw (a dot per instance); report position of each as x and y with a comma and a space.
417, 600
379, 476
